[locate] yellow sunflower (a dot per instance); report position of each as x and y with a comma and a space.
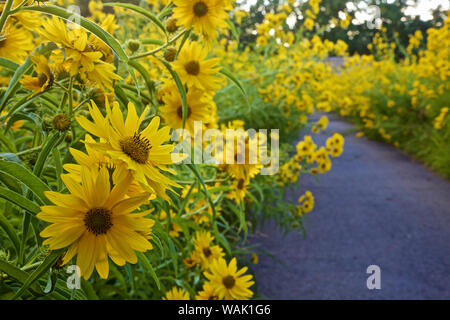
204, 16
229, 283
30, 20
96, 159
208, 293
102, 75
96, 222
15, 43
44, 76
200, 106
197, 71
239, 189
205, 251
176, 294
82, 55
143, 152
241, 158
75, 43
175, 229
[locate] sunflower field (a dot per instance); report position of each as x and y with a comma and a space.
94, 99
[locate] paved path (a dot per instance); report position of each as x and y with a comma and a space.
376, 207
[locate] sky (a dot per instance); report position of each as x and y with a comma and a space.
423, 8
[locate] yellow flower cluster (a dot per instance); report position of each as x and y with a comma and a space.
439, 121
101, 102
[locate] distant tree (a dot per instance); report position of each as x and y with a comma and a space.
357, 36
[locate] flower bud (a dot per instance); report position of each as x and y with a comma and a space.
171, 25
134, 45
170, 54
61, 122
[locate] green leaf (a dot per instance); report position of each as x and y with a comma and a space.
14, 83
181, 90
58, 166
11, 183
149, 268
140, 10
19, 275
19, 200
241, 216
121, 95
9, 230
88, 289
36, 185
234, 31
148, 81
233, 78
8, 64
43, 268
7, 142
52, 142
133, 76
92, 27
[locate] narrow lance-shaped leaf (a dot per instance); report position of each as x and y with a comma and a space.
9, 230
141, 11
8, 64
14, 83
44, 267
25, 176
19, 200
18, 275
146, 264
233, 78
148, 81
181, 90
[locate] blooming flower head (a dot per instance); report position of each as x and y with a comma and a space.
176, 294
95, 221
142, 151
195, 70
208, 293
79, 56
199, 108
15, 43
96, 159
205, 251
44, 77
204, 16
230, 283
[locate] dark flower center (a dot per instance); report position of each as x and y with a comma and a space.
207, 252
98, 221
180, 112
240, 184
42, 79
136, 147
229, 282
200, 9
61, 122
192, 68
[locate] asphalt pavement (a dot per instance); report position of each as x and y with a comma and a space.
377, 206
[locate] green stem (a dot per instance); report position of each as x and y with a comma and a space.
5, 13
63, 101
150, 53
22, 153
70, 98
31, 266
